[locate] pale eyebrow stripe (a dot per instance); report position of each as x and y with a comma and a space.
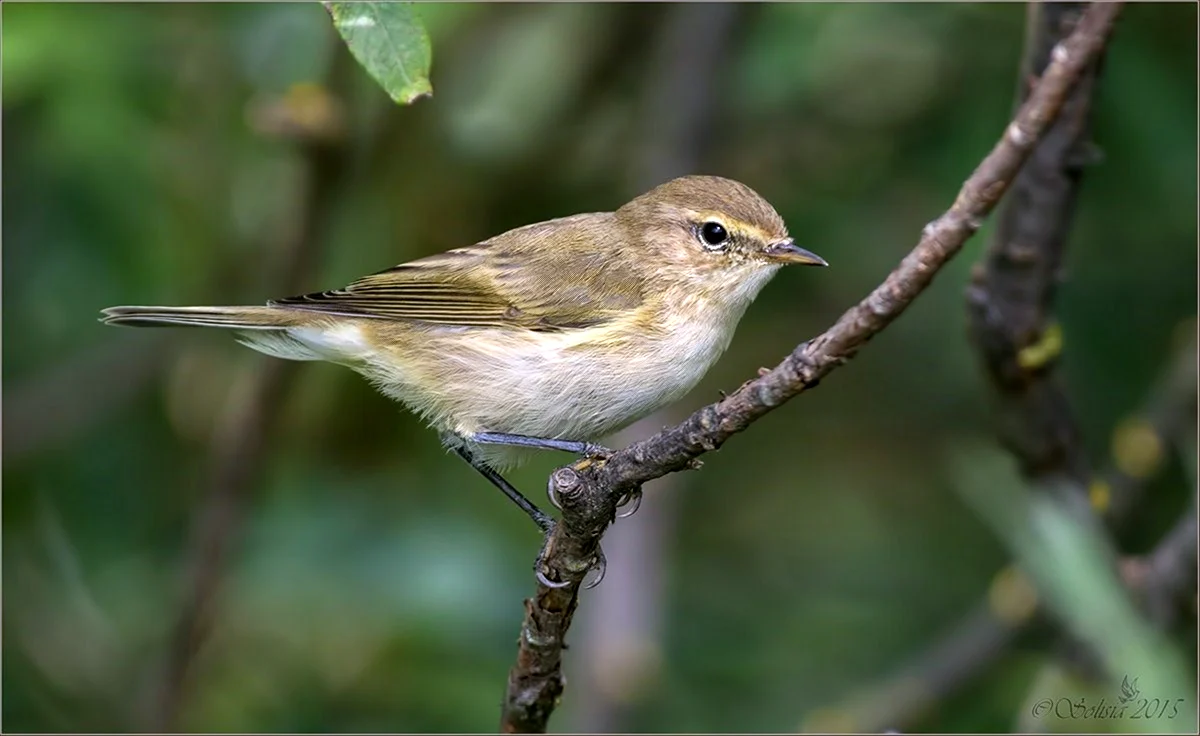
761, 234
730, 222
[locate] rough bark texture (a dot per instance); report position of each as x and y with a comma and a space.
1013, 286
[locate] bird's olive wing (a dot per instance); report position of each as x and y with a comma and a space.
508, 281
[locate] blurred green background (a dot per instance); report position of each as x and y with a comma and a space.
371, 581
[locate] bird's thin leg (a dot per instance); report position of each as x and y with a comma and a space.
586, 449
541, 518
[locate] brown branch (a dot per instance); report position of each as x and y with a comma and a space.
240, 443
589, 493
1013, 286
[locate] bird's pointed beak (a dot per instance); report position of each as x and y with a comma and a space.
787, 252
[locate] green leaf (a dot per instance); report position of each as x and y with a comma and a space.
391, 43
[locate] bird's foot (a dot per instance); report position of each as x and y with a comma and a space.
593, 456
544, 521
586, 463
598, 564
597, 452
633, 499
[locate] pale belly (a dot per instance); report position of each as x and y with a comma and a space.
550, 385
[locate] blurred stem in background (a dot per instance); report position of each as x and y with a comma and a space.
1073, 565
1013, 286
313, 116
620, 650
1010, 299
1012, 611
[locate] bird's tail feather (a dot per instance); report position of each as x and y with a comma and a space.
236, 318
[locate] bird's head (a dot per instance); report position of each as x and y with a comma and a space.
711, 233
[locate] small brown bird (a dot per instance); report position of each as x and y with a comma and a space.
551, 335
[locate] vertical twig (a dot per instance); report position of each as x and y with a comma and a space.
681, 94
1012, 288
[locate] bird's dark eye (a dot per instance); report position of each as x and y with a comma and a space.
713, 234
